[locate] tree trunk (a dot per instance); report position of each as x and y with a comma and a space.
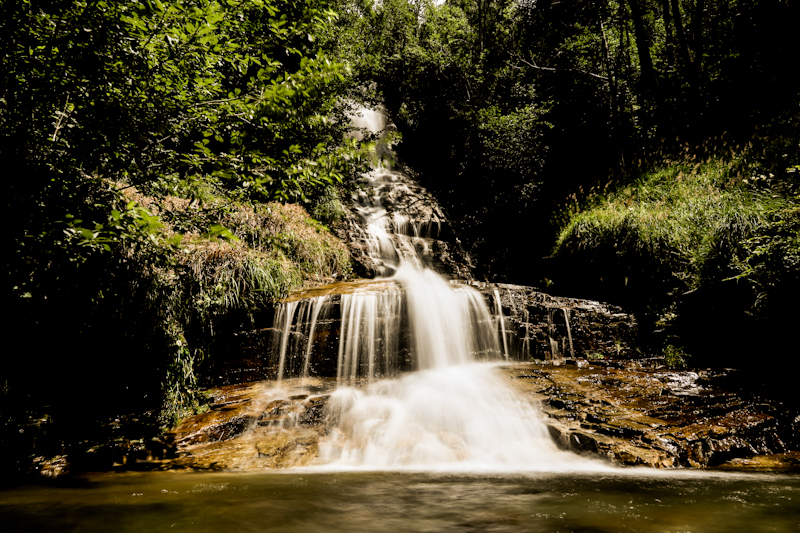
683, 43
648, 74
697, 43
669, 40
612, 81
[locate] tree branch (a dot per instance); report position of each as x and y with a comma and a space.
533, 65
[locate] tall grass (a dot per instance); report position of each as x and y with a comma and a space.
691, 218
690, 226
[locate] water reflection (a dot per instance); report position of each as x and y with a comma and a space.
379, 501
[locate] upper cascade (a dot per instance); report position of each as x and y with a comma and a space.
394, 220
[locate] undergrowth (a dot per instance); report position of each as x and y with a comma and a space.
675, 357
690, 217
225, 258
727, 222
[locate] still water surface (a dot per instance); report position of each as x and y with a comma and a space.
392, 501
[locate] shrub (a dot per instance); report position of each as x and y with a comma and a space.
675, 357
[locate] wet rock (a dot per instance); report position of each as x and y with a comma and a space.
414, 219
230, 414
261, 448
783, 462
287, 448
51, 467
240, 360
712, 441
314, 410
631, 455
248, 427
559, 330
623, 415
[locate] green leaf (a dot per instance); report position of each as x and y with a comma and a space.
220, 231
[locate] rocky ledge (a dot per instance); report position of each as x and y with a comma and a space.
252, 426
530, 325
659, 418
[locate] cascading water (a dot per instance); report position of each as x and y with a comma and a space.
454, 410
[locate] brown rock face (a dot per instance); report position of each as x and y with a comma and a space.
657, 418
250, 427
415, 222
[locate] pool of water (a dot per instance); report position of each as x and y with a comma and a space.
306, 501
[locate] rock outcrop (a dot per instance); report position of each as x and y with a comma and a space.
531, 325
248, 426
392, 207
625, 413
551, 328
659, 418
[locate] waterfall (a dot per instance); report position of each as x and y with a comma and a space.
369, 334
498, 306
284, 317
526, 342
569, 332
319, 306
417, 387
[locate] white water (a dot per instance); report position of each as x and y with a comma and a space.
457, 418
452, 412
369, 334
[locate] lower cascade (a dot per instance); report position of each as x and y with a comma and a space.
416, 383
453, 410
462, 416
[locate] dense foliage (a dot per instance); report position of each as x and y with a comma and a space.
164, 97
111, 115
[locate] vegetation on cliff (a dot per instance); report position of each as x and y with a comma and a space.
153, 149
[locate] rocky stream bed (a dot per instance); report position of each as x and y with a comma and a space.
620, 412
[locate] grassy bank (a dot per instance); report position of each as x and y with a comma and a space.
695, 246
232, 262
